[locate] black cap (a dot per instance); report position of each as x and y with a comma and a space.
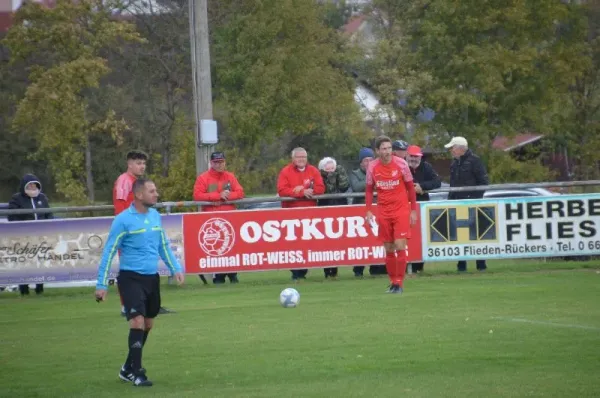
217, 156
399, 145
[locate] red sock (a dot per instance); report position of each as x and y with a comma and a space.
401, 266
390, 265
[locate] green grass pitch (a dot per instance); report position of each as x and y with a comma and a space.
522, 329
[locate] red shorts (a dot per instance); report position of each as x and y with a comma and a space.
392, 229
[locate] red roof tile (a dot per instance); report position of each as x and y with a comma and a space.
5, 21
519, 140
353, 25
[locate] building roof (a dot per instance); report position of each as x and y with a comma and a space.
353, 25
508, 144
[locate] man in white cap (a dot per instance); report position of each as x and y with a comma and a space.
466, 170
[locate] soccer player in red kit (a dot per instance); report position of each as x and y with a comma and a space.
396, 207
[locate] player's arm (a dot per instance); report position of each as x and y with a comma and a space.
113, 244
120, 206
166, 253
123, 187
369, 184
408, 184
201, 191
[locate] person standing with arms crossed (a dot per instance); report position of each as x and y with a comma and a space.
123, 192
390, 176
139, 236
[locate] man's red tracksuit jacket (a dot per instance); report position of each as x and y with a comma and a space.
290, 177
210, 184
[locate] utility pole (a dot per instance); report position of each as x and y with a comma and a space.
203, 110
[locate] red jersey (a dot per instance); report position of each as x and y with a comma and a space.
394, 185
290, 177
123, 192
210, 184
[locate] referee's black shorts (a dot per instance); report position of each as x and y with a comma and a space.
140, 294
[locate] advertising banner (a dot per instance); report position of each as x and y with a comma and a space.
523, 227
67, 250
263, 240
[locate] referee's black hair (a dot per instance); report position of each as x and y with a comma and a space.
139, 184
137, 155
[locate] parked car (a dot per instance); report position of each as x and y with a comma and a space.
501, 193
262, 205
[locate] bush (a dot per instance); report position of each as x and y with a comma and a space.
505, 168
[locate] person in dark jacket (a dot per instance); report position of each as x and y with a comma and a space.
466, 170
336, 181
425, 178
399, 148
30, 196
358, 181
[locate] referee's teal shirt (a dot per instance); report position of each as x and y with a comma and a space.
141, 239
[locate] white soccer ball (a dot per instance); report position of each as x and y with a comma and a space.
289, 298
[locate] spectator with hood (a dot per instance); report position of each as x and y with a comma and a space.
30, 196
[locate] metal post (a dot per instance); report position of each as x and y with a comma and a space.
201, 77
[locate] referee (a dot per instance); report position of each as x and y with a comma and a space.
137, 232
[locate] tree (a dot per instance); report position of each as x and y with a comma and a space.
337, 14
578, 127
154, 78
63, 48
18, 148
497, 67
391, 69
277, 84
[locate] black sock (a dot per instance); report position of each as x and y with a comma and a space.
128, 364
134, 359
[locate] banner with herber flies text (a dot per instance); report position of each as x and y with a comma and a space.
525, 227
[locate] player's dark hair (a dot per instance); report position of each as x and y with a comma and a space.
139, 184
137, 155
381, 139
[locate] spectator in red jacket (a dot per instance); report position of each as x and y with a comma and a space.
218, 186
300, 180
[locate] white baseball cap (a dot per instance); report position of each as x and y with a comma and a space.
462, 141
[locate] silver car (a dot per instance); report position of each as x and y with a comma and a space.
500, 193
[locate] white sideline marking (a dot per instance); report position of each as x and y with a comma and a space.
533, 322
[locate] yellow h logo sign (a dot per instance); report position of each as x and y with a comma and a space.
462, 224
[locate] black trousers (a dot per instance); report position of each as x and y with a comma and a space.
220, 278
417, 267
299, 273
462, 265
373, 270
24, 289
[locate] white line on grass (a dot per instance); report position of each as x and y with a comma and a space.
533, 322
